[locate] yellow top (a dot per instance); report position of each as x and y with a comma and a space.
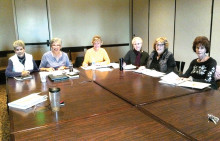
96, 56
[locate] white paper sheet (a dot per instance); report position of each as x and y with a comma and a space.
197, 85
150, 72
28, 101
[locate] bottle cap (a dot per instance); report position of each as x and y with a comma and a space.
54, 89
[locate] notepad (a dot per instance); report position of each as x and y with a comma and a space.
171, 78
130, 67
196, 85
174, 79
58, 77
150, 72
73, 74
28, 101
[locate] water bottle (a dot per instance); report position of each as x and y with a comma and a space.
93, 64
71, 68
121, 61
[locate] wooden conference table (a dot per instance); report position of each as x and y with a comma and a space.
115, 105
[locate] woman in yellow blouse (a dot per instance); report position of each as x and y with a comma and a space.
96, 55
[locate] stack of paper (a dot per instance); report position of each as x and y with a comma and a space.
129, 67
174, 79
104, 69
150, 72
28, 101
72, 74
111, 65
114, 65
171, 78
196, 85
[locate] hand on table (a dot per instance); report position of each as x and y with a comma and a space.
62, 68
25, 73
50, 69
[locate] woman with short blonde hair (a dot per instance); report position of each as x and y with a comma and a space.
96, 55
54, 59
22, 63
160, 58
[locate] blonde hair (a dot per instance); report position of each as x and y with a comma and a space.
162, 40
97, 38
56, 40
135, 39
19, 43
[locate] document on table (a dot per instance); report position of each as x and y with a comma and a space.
114, 65
150, 72
28, 101
174, 79
196, 85
107, 67
23, 77
104, 69
129, 67
73, 74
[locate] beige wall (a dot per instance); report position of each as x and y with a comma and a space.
193, 18
7, 28
161, 21
140, 21
77, 21
216, 32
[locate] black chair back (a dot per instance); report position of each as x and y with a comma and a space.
79, 61
180, 66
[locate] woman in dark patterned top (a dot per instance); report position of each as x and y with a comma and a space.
160, 58
202, 69
136, 56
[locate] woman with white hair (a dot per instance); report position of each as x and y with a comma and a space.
22, 63
136, 56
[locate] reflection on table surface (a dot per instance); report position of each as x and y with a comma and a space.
111, 105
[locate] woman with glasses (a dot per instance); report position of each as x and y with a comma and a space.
54, 59
136, 56
202, 69
160, 58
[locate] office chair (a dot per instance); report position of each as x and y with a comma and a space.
79, 61
180, 66
37, 62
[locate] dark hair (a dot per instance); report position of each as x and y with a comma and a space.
203, 41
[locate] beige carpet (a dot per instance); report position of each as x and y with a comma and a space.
4, 121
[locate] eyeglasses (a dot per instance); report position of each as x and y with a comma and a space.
160, 45
137, 44
56, 45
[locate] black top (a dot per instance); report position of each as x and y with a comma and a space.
22, 59
155, 63
130, 57
202, 71
166, 63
